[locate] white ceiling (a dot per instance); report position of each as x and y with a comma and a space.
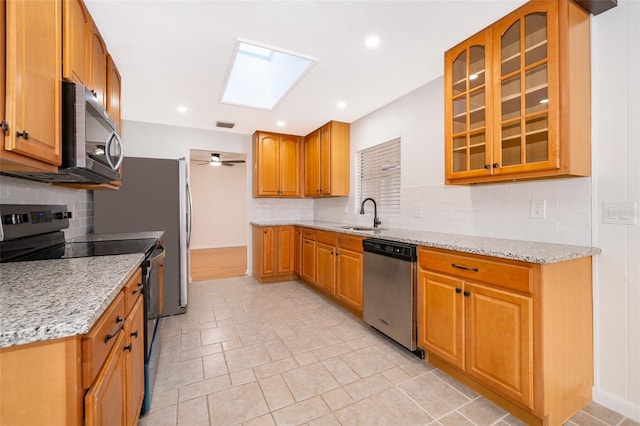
172, 53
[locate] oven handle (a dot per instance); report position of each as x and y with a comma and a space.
159, 253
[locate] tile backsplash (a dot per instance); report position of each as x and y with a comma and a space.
498, 210
80, 202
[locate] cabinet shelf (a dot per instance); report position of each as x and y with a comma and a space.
464, 148
527, 50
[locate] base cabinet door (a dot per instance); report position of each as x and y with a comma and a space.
349, 278
499, 349
325, 267
297, 247
440, 316
309, 260
134, 359
105, 402
268, 250
285, 250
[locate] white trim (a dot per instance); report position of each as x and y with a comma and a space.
617, 404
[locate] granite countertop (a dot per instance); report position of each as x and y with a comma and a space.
50, 299
527, 251
117, 236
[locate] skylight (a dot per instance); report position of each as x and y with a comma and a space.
260, 77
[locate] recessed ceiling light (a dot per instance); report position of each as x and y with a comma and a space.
182, 109
372, 42
260, 76
280, 123
341, 105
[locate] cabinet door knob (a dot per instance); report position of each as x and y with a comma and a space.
4, 125
458, 290
467, 293
24, 135
134, 334
128, 347
495, 165
487, 166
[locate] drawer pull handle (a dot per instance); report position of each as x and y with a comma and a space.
136, 291
134, 334
128, 347
464, 268
458, 290
24, 135
119, 321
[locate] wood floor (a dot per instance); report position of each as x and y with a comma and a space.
223, 262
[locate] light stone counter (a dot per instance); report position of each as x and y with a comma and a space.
527, 251
50, 299
117, 236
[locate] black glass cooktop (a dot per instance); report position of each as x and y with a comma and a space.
87, 249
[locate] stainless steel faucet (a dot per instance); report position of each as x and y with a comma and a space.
376, 219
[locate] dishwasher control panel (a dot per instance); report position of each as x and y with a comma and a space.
394, 249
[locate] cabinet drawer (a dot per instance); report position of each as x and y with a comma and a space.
97, 344
350, 242
308, 234
508, 274
132, 290
326, 237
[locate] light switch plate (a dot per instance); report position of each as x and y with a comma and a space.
620, 213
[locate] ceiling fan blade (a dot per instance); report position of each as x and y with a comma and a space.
233, 161
228, 164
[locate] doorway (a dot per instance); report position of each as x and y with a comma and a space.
219, 234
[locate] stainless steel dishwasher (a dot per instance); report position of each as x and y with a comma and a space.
389, 299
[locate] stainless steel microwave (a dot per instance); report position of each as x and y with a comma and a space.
91, 145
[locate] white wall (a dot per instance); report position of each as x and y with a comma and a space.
79, 202
219, 205
616, 113
574, 206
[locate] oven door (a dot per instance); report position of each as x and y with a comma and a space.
152, 289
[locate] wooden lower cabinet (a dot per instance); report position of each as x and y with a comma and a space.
308, 267
105, 403
297, 251
87, 379
273, 253
518, 333
349, 278
134, 360
325, 267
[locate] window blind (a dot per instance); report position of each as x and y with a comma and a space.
379, 176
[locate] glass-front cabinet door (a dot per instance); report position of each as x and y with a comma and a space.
468, 95
526, 98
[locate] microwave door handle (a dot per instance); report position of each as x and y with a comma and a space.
107, 150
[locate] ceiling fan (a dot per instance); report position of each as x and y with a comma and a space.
217, 161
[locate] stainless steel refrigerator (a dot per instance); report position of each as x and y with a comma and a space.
154, 196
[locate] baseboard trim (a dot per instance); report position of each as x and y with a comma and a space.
613, 402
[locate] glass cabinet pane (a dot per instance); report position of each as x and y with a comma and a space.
476, 66
511, 90
511, 144
460, 154
477, 148
459, 114
460, 74
537, 139
476, 109
535, 39
536, 83
510, 49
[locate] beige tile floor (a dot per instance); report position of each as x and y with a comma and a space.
264, 354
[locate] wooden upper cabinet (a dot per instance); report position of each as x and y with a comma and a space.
114, 83
326, 162
517, 97
76, 27
276, 170
97, 55
32, 84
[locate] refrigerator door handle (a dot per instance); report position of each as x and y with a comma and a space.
190, 217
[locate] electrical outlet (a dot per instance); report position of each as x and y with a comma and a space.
538, 209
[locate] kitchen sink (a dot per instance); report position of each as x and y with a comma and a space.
360, 228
